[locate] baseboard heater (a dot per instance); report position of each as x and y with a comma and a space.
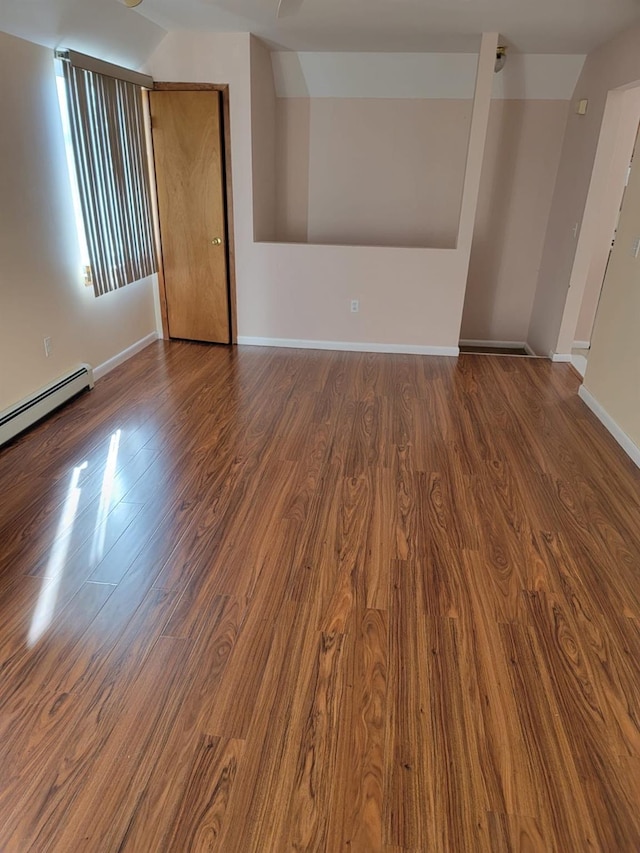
27, 412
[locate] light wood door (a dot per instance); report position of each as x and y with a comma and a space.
189, 166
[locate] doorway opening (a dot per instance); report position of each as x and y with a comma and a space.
617, 137
593, 288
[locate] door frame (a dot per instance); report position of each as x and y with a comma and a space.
617, 135
223, 88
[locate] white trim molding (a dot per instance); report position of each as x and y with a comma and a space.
630, 448
111, 363
582, 344
560, 356
580, 364
347, 346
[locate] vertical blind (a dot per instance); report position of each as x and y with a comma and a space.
108, 139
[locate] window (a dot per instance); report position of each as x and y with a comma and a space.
104, 127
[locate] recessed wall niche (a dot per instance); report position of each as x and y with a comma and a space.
370, 149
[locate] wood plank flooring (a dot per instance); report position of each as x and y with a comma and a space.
272, 600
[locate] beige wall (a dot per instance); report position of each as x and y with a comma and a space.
293, 116
615, 64
606, 206
380, 171
391, 171
263, 141
521, 159
409, 297
41, 293
613, 369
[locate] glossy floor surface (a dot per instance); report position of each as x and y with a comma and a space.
271, 600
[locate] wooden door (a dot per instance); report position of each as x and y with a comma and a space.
189, 167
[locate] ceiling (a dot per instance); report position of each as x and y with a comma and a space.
102, 28
530, 26
108, 29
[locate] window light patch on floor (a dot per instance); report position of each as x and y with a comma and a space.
46, 604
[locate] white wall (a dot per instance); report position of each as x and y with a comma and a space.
41, 292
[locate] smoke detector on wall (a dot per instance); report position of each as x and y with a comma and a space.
501, 58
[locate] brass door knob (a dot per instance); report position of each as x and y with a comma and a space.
217, 241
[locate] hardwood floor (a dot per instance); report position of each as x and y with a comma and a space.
270, 600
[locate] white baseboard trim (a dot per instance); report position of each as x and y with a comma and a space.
347, 346
630, 448
582, 344
580, 364
560, 356
121, 357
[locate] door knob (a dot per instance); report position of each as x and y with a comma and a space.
217, 241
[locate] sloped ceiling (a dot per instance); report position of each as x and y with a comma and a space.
103, 28
420, 75
110, 30
530, 26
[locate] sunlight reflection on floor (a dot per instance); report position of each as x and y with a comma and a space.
45, 607
100, 532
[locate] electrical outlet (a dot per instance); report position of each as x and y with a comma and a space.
355, 306
48, 347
